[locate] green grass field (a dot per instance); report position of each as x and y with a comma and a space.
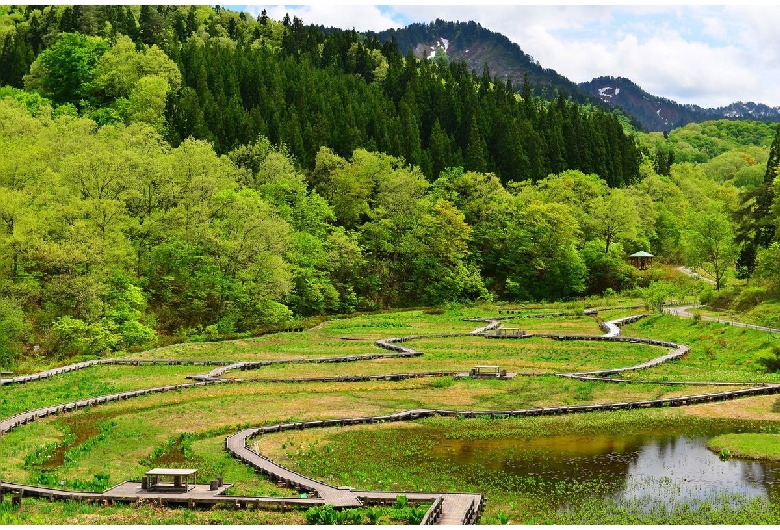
111, 443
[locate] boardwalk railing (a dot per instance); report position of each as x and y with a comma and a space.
236, 444
433, 513
473, 512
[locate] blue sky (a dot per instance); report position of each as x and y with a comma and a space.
702, 54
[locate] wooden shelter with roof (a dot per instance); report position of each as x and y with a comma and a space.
181, 480
641, 260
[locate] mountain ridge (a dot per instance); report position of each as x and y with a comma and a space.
662, 114
478, 46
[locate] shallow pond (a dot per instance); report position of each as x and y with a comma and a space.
670, 468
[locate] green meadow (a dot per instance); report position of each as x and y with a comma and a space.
96, 448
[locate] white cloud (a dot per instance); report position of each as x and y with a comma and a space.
359, 17
715, 28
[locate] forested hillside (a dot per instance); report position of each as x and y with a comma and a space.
241, 78
475, 45
189, 172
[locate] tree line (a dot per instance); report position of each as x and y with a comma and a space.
304, 87
189, 171
111, 236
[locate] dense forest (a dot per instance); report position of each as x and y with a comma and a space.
240, 78
189, 172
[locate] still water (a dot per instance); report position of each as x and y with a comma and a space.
670, 468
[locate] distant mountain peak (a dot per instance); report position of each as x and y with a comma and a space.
476, 46
661, 114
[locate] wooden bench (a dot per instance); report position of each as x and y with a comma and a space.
511, 332
485, 371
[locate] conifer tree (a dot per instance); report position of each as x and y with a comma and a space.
757, 227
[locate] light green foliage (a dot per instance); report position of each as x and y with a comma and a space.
749, 176
35, 103
726, 166
656, 294
607, 270
126, 310
416, 247
700, 191
574, 189
81, 203
768, 266
437, 247
540, 254
613, 217
701, 142
121, 68
146, 103
77, 337
120, 326
709, 244
272, 172
14, 328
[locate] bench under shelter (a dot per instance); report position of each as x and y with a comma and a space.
181, 480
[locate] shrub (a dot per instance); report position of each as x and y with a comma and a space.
13, 328
706, 295
749, 298
723, 299
770, 361
77, 337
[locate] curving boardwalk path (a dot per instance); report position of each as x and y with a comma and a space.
684, 312
447, 507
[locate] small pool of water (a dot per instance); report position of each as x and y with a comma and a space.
670, 468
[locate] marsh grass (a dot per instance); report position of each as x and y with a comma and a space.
764, 446
767, 314
187, 426
36, 511
719, 352
533, 354
347, 455
89, 382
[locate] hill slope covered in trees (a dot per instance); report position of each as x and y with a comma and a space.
194, 172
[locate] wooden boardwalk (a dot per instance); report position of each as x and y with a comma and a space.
131, 492
447, 507
457, 508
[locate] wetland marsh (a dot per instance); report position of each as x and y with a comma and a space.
619, 467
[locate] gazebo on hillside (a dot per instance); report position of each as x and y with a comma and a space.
641, 260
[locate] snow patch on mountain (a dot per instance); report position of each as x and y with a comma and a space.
441, 43
606, 93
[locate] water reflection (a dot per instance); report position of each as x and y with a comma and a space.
670, 468
683, 470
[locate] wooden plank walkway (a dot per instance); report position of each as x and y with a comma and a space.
131, 492
450, 508
457, 508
